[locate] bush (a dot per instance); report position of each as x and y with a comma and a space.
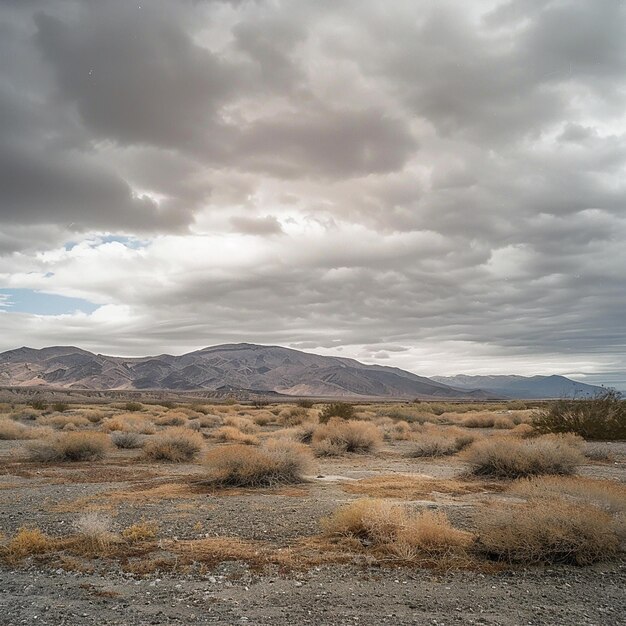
10, 430
479, 421
63, 421
396, 531
143, 531
70, 447
133, 406
126, 440
306, 404
60, 407
433, 446
129, 424
38, 404
234, 435
26, 542
602, 417
172, 418
338, 437
177, 444
546, 532
94, 530
342, 410
278, 462
514, 458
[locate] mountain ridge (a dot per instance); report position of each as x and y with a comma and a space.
242, 365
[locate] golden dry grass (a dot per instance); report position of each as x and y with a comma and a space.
129, 423
339, 436
546, 531
415, 487
176, 445
26, 542
73, 446
505, 457
231, 434
397, 532
278, 462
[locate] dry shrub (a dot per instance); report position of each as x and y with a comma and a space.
62, 421
546, 531
293, 416
143, 531
503, 423
339, 410
194, 425
433, 446
209, 421
234, 435
80, 446
10, 430
605, 494
176, 444
480, 420
422, 415
126, 440
242, 424
172, 418
338, 437
94, 532
394, 431
513, 458
27, 542
95, 415
412, 487
399, 532
278, 462
305, 433
263, 418
129, 423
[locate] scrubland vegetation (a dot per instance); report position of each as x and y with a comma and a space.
375, 481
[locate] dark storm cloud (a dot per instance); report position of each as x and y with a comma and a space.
412, 173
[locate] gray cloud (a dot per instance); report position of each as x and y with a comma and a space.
446, 182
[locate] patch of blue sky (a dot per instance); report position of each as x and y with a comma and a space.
38, 303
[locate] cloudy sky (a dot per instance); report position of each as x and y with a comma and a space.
437, 185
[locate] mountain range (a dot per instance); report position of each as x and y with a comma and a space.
257, 368
535, 387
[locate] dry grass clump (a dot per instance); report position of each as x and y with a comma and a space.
63, 421
95, 415
26, 542
234, 435
479, 420
79, 446
421, 415
504, 457
278, 462
94, 532
395, 531
10, 430
433, 446
129, 423
126, 440
293, 416
263, 418
546, 531
142, 531
338, 437
242, 424
414, 487
394, 430
503, 423
605, 494
172, 418
176, 444
209, 421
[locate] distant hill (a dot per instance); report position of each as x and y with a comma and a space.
242, 366
535, 387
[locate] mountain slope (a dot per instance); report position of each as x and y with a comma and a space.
536, 387
245, 366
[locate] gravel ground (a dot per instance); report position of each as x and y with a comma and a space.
357, 594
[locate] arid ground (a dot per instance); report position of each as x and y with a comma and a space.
136, 514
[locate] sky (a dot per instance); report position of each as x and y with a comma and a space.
437, 185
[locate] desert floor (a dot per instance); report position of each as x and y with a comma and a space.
259, 555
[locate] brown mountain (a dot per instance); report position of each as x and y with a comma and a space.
244, 366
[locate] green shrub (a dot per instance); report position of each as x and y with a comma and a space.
60, 407
306, 404
133, 406
342, 410
602, 417
39, 404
